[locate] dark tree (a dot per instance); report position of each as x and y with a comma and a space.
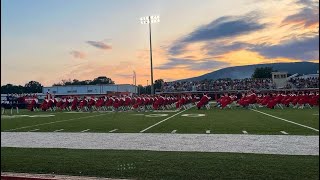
33, 87
86, 82
76, 82
263, 72
144, 89
9, 89
102, 80
148, 89
98, 80
158, 84
141, 89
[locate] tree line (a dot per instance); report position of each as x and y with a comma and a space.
95, 81
36, 87
30, 87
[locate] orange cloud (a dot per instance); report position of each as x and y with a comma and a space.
245, 57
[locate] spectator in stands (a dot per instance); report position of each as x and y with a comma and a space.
218, 85
312, 82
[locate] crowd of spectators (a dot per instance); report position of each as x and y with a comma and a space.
237, 84
218, 85
312, 82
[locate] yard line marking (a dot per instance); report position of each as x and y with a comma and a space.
174, 131
162, 121
33, 130
208, 131
58, 130
286, 120
245, 132
283, 132
166, 110
316, 114
113, 130
53, 122
85, 130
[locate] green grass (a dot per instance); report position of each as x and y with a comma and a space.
234, 121
159, 165
227, 121
308, 117
96, 122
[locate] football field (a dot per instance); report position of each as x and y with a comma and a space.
213, 121
239, 123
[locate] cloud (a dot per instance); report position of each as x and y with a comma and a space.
177, 48
189, 64
308, 14
100, 45
308, 3
302, 49
306, 17
78, 54
223, 27
190, 57
227, 26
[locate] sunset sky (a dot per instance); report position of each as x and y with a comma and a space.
51, 40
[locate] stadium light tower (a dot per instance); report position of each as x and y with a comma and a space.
149, 20
134, 78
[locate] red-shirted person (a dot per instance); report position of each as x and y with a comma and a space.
225, 100
203, 101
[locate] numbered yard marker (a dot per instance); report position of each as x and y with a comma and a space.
156, 115
193, 115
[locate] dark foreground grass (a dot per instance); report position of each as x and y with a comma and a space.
159, 165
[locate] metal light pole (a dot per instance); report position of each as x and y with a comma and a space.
134, 78
149, 20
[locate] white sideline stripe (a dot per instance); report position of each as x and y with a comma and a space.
162, 121
113, 130
174, 131
286, 120
85, 130
316, 114
53, 122
33, 130
58, 130
208, 131
283, 132
245, 132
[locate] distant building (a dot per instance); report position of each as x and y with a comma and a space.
102, 89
